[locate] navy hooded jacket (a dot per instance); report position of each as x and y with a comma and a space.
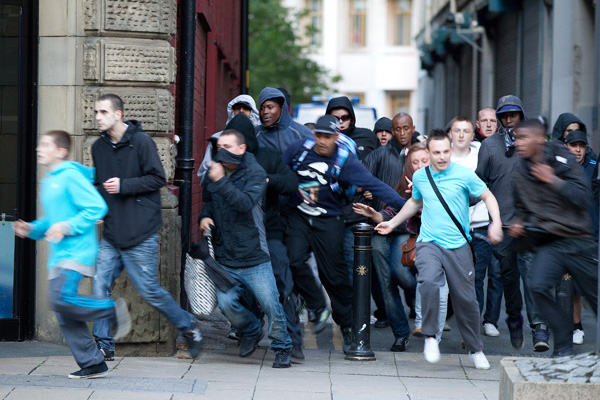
285, 130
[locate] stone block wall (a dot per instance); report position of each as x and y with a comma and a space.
90, 47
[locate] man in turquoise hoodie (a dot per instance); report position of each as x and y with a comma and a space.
71, 207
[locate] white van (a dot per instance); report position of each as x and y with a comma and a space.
310, 112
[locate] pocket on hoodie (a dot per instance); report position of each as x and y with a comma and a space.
147, 203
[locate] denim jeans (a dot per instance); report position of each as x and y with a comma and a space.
141, 263
387, 253
487, 263
259, 280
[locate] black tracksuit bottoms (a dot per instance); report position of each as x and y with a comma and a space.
324, 237
578, 257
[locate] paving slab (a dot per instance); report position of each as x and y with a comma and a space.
112, 395
151, 367
272, 395
5, 390
429, 388
49, 394
311, 382
20, 365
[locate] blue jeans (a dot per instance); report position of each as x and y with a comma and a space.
387, 253
141, 263
487, 263
259, 280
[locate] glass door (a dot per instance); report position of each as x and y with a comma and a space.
18, 70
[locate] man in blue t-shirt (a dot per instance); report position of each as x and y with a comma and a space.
441, 247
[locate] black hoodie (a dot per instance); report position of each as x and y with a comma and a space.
134, 213
366, 140
282, 180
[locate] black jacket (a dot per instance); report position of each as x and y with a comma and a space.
282, 180
134, 213
366, 140
561, 209
386, 164
235, 205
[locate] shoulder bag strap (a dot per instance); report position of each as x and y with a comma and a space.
439, 196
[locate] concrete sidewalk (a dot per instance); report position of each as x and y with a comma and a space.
222, 375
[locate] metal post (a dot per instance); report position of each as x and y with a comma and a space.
360, 349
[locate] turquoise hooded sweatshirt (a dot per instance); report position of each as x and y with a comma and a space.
68, 195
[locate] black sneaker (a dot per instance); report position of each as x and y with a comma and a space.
322, 317
399, 344
346, 340
109, 355
95, 371
515, 329
297, 355
249, 344
193, 338
233, 333
283, 358
541, 337
381, 323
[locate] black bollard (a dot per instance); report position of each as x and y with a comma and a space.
564, 296
360, 349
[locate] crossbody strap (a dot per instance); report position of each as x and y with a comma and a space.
439, 196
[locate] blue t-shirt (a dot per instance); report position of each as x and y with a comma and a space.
455, 184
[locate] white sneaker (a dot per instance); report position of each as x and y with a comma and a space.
431, 350
479, 360
578, 336
490, 330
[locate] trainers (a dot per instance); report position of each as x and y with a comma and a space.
346, 340
297, 355
123, 318
322, 318
283, 358
578, 336
233, 333
541, 337
399, 344
417, 332
95, 371
249, 344
515, 329
109, 355
193, 338
479, 360
447, 327
431, 350
490, 329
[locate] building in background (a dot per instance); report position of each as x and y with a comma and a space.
370, 45
473, 52
58, 56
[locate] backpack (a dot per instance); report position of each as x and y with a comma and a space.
333, 174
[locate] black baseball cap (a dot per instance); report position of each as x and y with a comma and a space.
576, 136
327, 124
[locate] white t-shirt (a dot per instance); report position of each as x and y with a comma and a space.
478, 214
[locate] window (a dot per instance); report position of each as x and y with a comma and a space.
400, 22
314, 24
398, 102
358, 22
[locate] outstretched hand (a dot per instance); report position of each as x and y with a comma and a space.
384, 228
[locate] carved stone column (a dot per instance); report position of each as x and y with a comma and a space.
126, 50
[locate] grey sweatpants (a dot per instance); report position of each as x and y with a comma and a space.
432, 261
73, 311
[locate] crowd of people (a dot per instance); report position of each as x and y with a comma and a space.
497, 197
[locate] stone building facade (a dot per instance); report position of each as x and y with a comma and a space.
129, 47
